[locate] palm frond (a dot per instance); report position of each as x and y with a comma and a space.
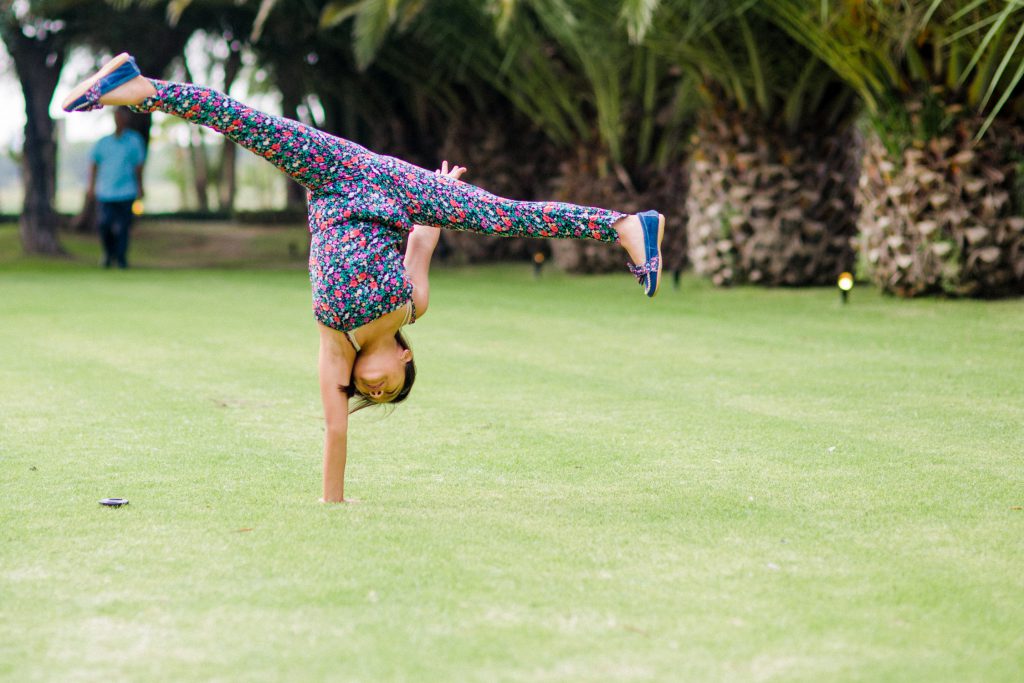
638, 15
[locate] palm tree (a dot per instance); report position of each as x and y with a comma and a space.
943, 181
773, 167
609, 110
621, 111
427, 81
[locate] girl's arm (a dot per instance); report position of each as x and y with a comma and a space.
335, 365
421, 245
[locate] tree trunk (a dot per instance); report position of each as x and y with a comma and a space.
291, 97
480, 142
154, 63
200, 164
38, 62
770, 207
200, 168
586, 179
227, 183
944, 215
142, 33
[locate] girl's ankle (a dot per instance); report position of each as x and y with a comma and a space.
134, 92
631, 237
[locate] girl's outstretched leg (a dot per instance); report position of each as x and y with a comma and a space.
442, 201
310, 156
439, 200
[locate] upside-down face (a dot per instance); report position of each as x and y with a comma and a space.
380, 374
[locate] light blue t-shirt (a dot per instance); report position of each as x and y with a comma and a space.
116, 159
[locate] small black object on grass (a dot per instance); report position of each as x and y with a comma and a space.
114, 502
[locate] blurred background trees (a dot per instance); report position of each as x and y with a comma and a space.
942, 180
786, 140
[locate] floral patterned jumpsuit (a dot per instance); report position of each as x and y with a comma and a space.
362, 203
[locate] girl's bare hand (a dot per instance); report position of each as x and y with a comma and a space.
453, 172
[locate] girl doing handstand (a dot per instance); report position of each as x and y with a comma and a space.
361, 205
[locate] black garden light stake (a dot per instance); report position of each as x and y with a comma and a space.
845, 284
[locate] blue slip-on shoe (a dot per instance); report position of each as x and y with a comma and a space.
649, 273
115, 73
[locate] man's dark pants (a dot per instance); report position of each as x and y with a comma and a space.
115, 224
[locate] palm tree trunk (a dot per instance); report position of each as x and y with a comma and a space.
767, 207
945, 216
588, 180
480, 141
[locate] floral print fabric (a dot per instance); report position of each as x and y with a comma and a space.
361, 204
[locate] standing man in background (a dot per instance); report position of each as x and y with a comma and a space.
115, 181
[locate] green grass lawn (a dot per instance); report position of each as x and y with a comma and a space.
739, 485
